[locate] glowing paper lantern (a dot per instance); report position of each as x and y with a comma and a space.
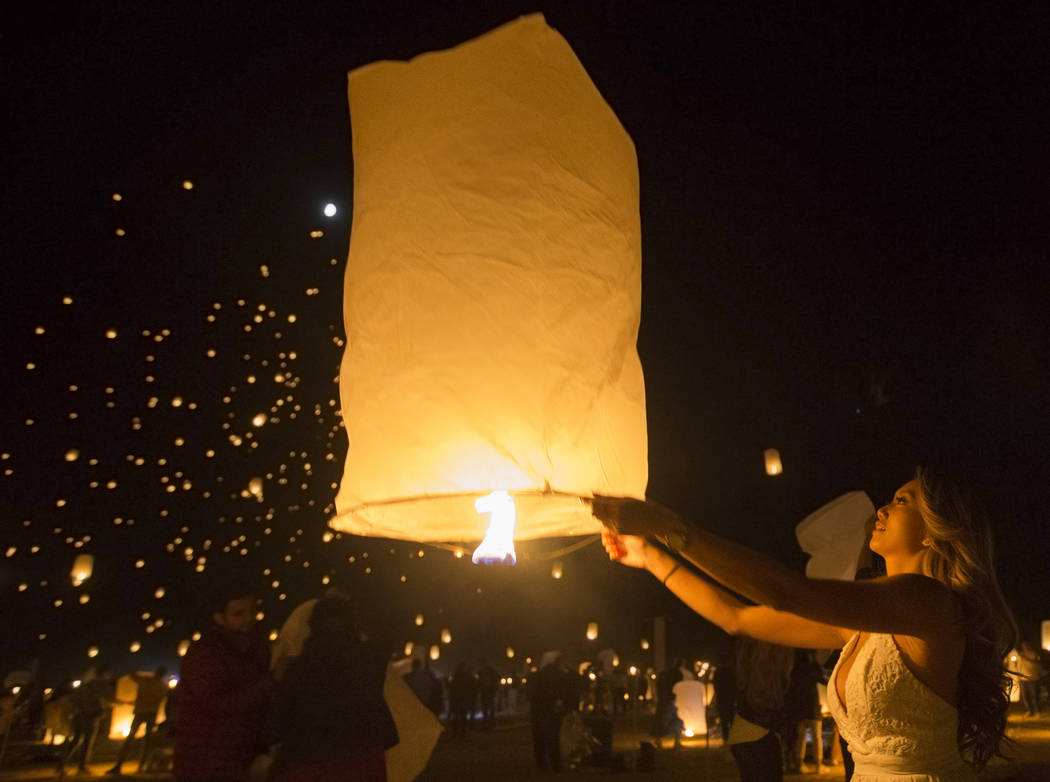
83, 566
492, 296
773, 465
592, 631
689, 698
834, 536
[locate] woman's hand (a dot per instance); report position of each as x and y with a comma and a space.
630, 550
629, 517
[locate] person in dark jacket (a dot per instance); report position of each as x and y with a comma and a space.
462, 694
330, 719
802, 711
552, 694
224, 690
89, 702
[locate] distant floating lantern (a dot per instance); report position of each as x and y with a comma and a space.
255, 488
187, 184
259, 419
493, 293
556, 571
446, 636
92, 651
592, 631
419, 620
645, 644
773, 465
435, 652
409, 647
83, 567
184, 646
509, 651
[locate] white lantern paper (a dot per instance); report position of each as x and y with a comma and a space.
690, 700
492, 293
834, 536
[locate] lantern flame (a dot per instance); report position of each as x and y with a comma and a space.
497, 547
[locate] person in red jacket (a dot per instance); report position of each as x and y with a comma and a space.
224, 691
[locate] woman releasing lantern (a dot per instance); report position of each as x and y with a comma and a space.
920, 682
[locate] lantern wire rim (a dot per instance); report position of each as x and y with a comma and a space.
545, 492
454, 547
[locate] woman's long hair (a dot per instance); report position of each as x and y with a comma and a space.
961, 556
763, 672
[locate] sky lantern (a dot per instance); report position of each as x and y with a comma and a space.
835, 535
592, 631
492, 295
773, 465
83, 567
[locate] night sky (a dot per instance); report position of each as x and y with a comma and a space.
844, 242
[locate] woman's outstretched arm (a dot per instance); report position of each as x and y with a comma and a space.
907, 604
721, 608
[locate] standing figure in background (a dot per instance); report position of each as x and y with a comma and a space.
224, 690
488, 686
802, 712
461, 696
724, 682
152, 690
88, 702
763, 671
1031, 670
552, 694
330, 719
666, 720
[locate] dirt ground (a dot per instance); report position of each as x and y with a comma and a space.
504, 754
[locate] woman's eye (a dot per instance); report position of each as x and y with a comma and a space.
899, 500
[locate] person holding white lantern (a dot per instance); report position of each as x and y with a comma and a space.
920, 685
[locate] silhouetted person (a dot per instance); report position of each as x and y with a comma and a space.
802, 711
425, 685
488, 686
152, 690
724, 682
552, 694
330, 718
763, 672
461, 696
666, 719
88, 703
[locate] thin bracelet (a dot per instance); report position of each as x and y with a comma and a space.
671, 572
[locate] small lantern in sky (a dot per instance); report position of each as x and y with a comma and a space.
83, 567
773, 465
446, 636
492, 295
435, 652
592, 631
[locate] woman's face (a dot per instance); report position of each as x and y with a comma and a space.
899, 527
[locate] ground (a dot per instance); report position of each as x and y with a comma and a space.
505, 754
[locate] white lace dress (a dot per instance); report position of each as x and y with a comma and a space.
897, 728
